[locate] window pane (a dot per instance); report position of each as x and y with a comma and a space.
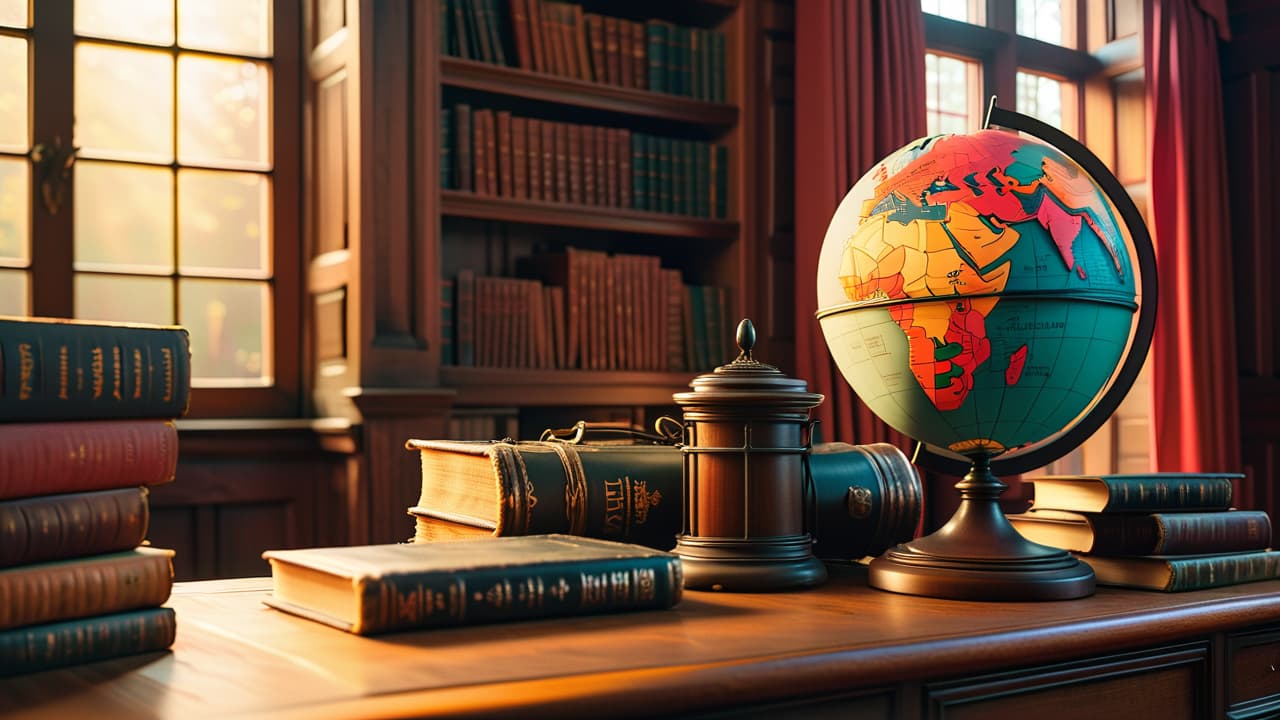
951, 94
124, 103
1047, 20
234, 26
14, 293
124, 299
144, 21
15, 211
223, 113
963, 10
123, 218
13, 94
228, 323
13, 13
1048, 99
223, 222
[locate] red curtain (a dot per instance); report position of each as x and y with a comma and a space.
859, 96
1195, 405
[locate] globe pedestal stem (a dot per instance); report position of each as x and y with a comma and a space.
978, 555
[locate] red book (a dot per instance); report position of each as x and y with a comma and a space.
548, 160
624, 54
553, 38
613, 72
575, 162
564, 16
600, 137
519, 157
579, 27
639, 62
533, 15
491, 152
562, 162
535, 159
520, 31
505, 174
480, 150
82, 455
623, 150
595, 37
589, 164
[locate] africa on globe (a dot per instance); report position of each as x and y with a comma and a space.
978, 292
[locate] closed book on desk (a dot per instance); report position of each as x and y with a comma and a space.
1176, 573
380, 588
867, 497
57, 369
84, 587
1173, 533
54, 527
102, 637
1154, 492
46, 458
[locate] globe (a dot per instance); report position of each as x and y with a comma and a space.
984, 294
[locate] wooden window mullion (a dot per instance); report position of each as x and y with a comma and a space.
52, 117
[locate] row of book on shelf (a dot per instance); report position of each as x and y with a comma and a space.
86, 427
597, 311
559, 38
496, 153
1164, 531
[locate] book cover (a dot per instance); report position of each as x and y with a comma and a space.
639, 64
1120, 493
868, 497
534, 146
53, 527
1176, 533
537, 41
463, 138
84, 587
102, 637
506, 172
1179, 573
58, 369
656, 54
372, 589
44, 458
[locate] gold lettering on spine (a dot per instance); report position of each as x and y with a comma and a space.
595, 589
167, 356
26, 369
497, 596
646, 585
137, 373
97, 368
117, 374
615, 507
619, 587
64, 372
642, 500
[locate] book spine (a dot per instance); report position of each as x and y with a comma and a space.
75, 456
461, 35
1140, 493
516, 9
573, 149
519, 158
534, 146
548, 159
655, 52
446, 148
429, 600
595, 35
52, 592
53, 527
463, 138
625, 65
1206, 572
465, 318
56, 371
639, 173
623, 153
447, 355
506, 172
1181, 533
43, 647
639, 65
533, 16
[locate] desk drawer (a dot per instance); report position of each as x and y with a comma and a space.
1253, 666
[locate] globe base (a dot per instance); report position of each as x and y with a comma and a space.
978, 555
749, 565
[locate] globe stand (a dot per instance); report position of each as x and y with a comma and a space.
978, 555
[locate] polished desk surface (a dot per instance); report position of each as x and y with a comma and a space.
235, 657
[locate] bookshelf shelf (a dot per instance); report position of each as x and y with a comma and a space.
497, 386
515, 82
461, 203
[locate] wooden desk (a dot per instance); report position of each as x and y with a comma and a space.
841, 649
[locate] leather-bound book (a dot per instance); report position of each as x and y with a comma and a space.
1169, 533
519, 13
463, 139
84, 587
73, 642
55, 527
639, 64
573, 151
506, 174
1179, 573
624, 54
534, 147
612, 58
519, 158
1152, 492
595, 41
44, 458
369, 589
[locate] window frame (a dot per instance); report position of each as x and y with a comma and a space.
51, 68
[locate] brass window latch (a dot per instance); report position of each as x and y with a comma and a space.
53, 171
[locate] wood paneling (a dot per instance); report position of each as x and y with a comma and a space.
329, 199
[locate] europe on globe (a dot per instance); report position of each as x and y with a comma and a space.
977, 291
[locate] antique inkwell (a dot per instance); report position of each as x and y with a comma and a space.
746, 436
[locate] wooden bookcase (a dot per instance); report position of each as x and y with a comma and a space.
384, 236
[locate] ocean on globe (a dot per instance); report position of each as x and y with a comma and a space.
978, 292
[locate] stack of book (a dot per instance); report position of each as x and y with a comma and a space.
1163, 531
86, 425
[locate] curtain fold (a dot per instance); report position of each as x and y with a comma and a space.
859, 96
1195, 422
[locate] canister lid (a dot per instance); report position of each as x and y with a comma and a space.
747, 380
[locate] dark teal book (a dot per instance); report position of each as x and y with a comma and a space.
59, 369
720, 180
369, 589
73, 642
666, 183
1152, 492
1179, 573
701, 179
446, 148
679, 178
656, 55
717, 66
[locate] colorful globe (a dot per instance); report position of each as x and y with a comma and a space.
980, 293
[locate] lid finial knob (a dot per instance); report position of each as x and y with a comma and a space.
746, 337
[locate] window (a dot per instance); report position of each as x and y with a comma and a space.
952, 94
1047, 20
160, 173
963, 10
1048, 98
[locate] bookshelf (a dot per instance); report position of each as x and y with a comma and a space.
390, 227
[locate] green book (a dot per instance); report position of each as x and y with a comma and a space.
1178, 573
73, 642
656, 54
446, 148
720, 180
1152, 492
701, 180
717, 66
652, 172
368, 589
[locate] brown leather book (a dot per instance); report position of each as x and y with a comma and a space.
553, 38
574, 157
548, 160
463, 139
368, 589
72, 642
534, 145
537, 42
568, 41
76, 456
55, 527
625, 70
611, 167
639, 63
613, 72
1172, 533
595, 38
519, 158
562, 161
673, 293
490, 152
83, 587
867, 498
580, 42
589, 164
622, 150
600, 138
480, 150
506, 176
518, 11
